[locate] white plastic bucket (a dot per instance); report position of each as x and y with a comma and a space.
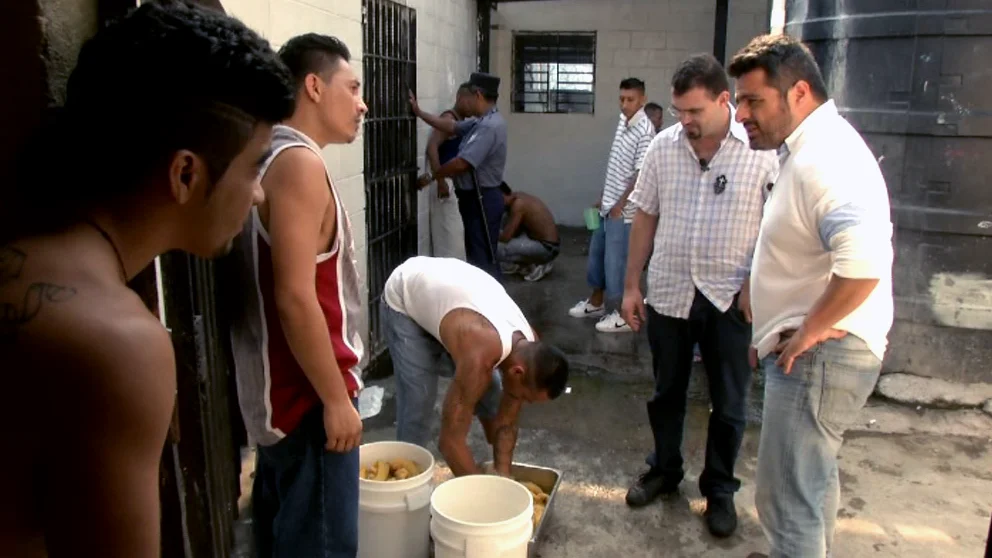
481, 516
393, 517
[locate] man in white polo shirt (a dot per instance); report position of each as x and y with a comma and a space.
608, 245
699, 200
821, 288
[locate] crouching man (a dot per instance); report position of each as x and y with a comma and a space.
439, 310
528, 243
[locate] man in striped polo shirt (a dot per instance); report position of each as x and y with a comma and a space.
608, 245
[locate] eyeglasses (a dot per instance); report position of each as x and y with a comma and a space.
677, 113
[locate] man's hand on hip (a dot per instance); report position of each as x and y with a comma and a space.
632, 310
616, 212
794, 342
343, 426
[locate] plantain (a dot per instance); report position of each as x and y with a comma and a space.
410, 466
534, 489
401, 474
538, 514
382, 471
363, 473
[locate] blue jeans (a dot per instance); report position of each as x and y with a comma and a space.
305, 498
803, 423
522, 249
608, 258
418, 361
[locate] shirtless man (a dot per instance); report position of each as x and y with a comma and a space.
440, 310
528, 243
168, 115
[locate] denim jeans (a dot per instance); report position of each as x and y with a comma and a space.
724, 338
522, 249
476, 244
805, 415
305, 498
608, 258
418, 361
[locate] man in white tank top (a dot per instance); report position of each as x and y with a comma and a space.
440, 308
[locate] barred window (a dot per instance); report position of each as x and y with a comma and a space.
554, 72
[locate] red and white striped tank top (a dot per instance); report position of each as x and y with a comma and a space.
273, 391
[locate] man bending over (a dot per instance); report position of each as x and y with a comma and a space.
440, 310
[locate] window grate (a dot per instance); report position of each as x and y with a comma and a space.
554, 72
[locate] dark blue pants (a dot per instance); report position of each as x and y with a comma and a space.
724, 338
305, 498
476, 247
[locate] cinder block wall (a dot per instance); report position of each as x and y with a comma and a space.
561, 157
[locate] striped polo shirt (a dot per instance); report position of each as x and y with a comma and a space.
630, 144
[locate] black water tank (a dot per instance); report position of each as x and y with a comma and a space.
915, 78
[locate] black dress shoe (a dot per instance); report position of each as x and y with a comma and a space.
648, 487
721, 516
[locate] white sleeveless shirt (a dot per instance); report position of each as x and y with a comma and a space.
426, 289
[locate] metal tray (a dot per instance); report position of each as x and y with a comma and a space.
549, 480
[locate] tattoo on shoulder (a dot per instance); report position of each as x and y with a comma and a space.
14, 315
11, 263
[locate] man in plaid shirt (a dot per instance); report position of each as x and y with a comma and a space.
699, 200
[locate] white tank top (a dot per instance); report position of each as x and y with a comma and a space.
426, 289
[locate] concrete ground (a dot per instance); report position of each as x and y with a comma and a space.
910, 486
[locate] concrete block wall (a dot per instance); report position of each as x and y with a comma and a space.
446, 57
562, 157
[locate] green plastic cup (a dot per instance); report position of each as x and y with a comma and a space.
592, 218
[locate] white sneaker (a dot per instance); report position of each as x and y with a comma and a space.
538, 272
586, 310
613, 323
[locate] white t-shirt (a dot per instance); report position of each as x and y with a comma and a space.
426, 289
828, 213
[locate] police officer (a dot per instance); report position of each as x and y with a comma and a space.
477, 170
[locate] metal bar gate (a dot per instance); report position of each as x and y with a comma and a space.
390, 69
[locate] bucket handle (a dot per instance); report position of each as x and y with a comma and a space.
418, 498
482, 548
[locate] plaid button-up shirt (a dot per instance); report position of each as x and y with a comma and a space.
708, 219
